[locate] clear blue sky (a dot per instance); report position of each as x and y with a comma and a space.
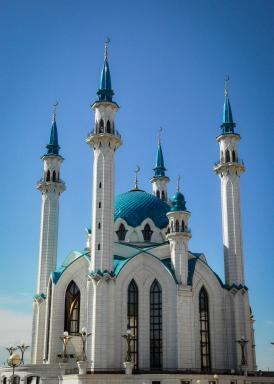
168, 61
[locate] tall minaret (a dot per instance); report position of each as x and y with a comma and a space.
104, 140
51, 186
159, 181
178, 235
229, 169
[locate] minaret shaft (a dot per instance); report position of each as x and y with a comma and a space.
104, 141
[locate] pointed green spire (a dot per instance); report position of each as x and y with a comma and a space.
228, 123
105, 92
159, 169
53, 146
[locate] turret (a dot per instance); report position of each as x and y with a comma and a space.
178, 235
229, 169
159, 181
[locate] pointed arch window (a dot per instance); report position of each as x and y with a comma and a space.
163, 195
132, 317
101, 126
227, 156
158, 194
177, 226
48, 175
108, 127
233, 156
183, 226
147, 232
156, 326
121, 233
204, 330
72, 309
53, 176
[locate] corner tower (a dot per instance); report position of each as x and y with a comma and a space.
159, 181
104, 140
51, 186
229, 168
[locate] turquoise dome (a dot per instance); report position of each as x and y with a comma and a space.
135, 206
178, 202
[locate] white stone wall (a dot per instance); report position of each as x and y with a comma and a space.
159, 184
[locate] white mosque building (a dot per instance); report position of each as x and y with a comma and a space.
137, 274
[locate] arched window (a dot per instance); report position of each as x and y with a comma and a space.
158, 194
53, 176
48, 176
132, 318
99, 225
33, 380
176, 226
16, 379
99, 205
100, 185
4, 380
72, 309
156, 325
204, 330
99, 247
147, 233
227, 156
101, 126
49, 299
121, 233
172, 227
108, 127
183, 226
163, 195
233, 156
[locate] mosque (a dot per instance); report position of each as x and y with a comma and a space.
137, 276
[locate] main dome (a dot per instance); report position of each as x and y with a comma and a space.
135, 206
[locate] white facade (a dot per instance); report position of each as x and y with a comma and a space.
140, 239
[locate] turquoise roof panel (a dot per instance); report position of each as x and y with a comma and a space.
135, 206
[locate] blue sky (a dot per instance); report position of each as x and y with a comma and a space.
168, 61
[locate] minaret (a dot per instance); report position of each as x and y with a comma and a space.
51, 187
229, 169
104, 140
178, 235
159, 181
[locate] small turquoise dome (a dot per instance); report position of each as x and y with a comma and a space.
178, 202
135, 206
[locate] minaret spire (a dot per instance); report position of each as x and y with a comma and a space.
228, 124
105, 91
160, 180
53, 146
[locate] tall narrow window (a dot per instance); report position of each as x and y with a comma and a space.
147, 233
233, 156
227, 156
108, 127
48, 176
156, 326
121, 233
101, 126
158, 194
176, 226
72, 309
204, 330
183, 226
48, 319
53, 176
163, 195
132, 317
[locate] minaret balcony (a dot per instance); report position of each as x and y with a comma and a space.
237, 164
